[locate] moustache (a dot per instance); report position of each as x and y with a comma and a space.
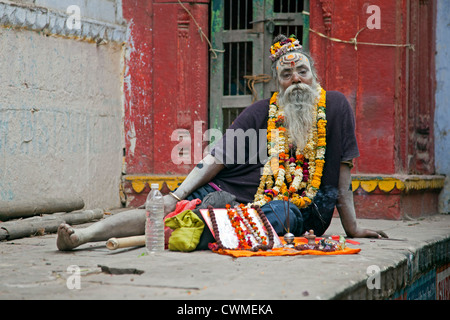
298, 93
298, 87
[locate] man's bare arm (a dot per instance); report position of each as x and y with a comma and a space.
346, 208
203, 173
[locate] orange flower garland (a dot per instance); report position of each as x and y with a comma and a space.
236, 220
241, 215
250, 224
296, 178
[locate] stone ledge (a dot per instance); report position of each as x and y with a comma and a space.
52, 22
416, 263
413, 277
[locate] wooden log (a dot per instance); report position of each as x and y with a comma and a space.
46, 224
116, 243
33, 207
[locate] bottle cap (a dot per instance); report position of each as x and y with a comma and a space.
155, 186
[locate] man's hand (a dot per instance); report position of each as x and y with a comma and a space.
367, 233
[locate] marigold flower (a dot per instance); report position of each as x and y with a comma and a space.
320, 163
274, 98
321, 142
315, 183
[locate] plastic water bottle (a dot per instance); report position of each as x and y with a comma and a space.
154, 224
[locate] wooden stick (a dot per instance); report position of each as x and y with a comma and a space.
46, 224
284, 227
288, 220
36, 206
116, 243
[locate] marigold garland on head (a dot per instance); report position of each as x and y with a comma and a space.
281, 47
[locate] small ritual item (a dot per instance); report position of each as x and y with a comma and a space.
240, 228
289, 238
311, 237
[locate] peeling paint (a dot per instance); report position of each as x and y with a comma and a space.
132, 138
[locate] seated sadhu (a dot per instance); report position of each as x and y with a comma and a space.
309, 147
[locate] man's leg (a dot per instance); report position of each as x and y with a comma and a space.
124, 224
278, 215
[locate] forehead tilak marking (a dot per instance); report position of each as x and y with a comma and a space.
290, 59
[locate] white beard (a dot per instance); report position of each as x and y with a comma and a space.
299, 101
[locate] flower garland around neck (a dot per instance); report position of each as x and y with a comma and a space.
297, 173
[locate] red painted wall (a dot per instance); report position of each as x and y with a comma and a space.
166, 81
390, 88
138, 86
367, 76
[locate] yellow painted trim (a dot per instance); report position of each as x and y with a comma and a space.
387, 186
404, 183
420, 184
369, 185
139, 182
138, 185
400, 185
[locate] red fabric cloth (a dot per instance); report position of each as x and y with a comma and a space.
180, 207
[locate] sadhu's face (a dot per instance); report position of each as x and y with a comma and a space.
293, 68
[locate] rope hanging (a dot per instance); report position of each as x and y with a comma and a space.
252, 80
356, 43
200, 31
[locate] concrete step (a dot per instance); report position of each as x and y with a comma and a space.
413, 264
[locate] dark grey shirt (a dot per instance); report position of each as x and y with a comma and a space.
245, 158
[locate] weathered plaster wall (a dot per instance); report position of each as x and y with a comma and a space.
442, 111
61, 107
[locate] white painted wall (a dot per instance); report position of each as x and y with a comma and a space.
61, 108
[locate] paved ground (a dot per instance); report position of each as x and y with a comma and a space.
32, 268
